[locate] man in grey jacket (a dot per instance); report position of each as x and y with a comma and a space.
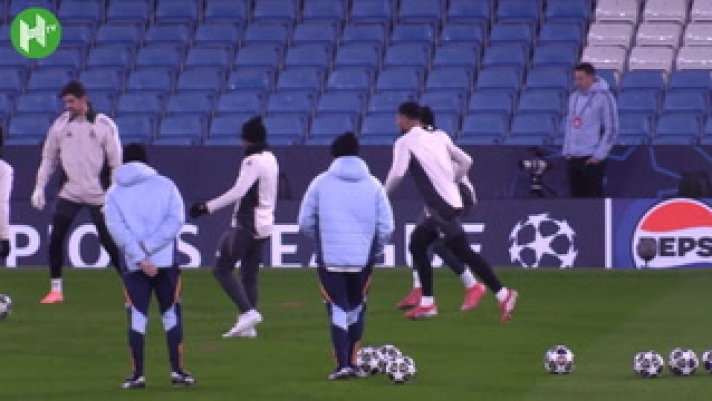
85, 144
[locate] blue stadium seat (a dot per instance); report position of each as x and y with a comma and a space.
310, 79
315, 33
110, 57
707, 131
190, 128
505, 55
174, 35
275, 11
498, 78
231, 103
141, 102
226, 11
564, 55
462, 33
259, 56
329, 126
308, 56
443, 101
491, 101
690, 79
42, 102
176, 12
381, 124
482, 129
568, 10
103, 101
407, 55
135, 128
340, 102
689, 102
77, 11
634, 125
639, 101
251, 79
449, 78
151, 79
399, 79
554, 32
388, 101
548, 78
128, 12
110, 79
448, 122
289, 127
121, 35
357, 55
29, 126
49, 79
511, 33
456, 56
323, 10
518, 11
642, 79
10, 58
160, 56
677, 129
79, 36
611, 77
422, 33
538, 125
291, 102
364, 33
190, 103
470, 11
7, 105
208, 57
371, 11
201, 79
222, 35
277, 34
421, 11
540, 101
228, 126
17, 6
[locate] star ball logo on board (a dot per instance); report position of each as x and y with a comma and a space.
543, 241
674, 233
35, 33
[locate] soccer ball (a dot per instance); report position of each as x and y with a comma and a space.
683, 362
5, 306
386, 353
541, 240
648, 364
367, 360
559, 360
707, 360
401, 369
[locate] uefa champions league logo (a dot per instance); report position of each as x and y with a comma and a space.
541, 240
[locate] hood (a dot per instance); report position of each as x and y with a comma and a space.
133, 173
599, 85
349, 168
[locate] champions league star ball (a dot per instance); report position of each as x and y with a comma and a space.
401, 369
707, 360
5, 306
559, 360
648, 364
368, 360
683, 362
386, 353
541, 240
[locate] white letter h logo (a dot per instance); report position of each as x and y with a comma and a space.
37, 33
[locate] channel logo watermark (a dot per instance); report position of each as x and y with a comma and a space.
36, 33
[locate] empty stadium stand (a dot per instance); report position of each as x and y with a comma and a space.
190, 72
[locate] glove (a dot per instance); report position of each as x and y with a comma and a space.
4, 248
198, 209
38, 199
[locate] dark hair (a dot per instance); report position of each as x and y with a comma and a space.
427, 117
410, 110
74, 88
345, 144
135, 152
587, 68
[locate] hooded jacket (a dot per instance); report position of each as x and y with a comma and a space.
598, 129
347, 212
144, 213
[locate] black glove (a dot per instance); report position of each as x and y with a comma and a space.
198, 209
4, 248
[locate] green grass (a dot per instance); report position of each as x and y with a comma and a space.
76, 350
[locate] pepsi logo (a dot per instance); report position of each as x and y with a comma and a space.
674, 233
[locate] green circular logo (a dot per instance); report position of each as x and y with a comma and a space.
36, 33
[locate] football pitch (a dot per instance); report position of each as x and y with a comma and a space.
77, 350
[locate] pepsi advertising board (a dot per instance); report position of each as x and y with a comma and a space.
662, 234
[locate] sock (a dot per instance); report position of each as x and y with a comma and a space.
56, 284
174, 337
468, 279
427, 301
136, 342
502, 294
416, 279
340, 335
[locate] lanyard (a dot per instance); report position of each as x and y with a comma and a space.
585, 106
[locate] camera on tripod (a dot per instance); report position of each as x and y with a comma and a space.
537, 167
